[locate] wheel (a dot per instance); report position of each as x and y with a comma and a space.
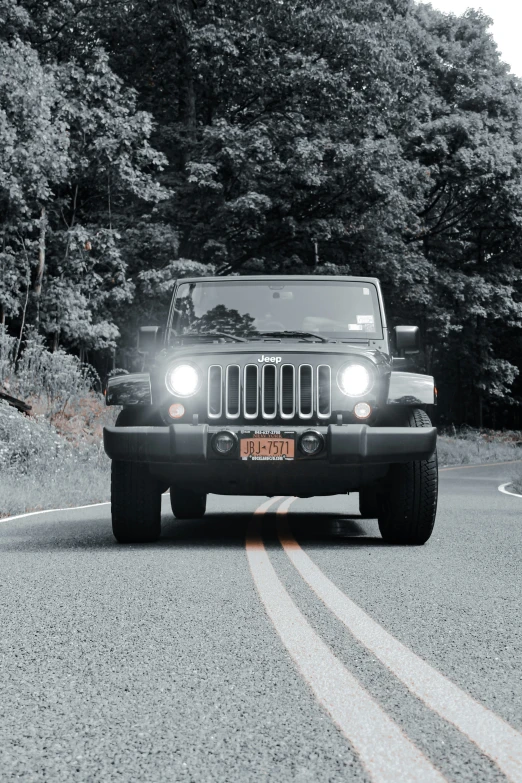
368, 504
135, 503
186, 504
407, 510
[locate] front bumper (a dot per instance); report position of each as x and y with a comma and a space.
349, 444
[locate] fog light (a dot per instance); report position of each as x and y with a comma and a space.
224, 442
362, 410
311, 442
176, 411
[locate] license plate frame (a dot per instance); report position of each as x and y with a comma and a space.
281, 450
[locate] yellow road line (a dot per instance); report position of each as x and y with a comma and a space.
382, 747
490, 733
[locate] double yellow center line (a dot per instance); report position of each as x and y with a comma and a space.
385, 751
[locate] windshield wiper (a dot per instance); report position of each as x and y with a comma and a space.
295, 333
213, 334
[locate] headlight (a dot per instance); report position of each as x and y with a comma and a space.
183, 380
355, 380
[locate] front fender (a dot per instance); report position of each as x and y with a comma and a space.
132, 389
409, 388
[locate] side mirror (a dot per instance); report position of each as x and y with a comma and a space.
407, 339
147, 339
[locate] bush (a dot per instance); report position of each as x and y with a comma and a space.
54, 457
58, 377
40, 468
53, 378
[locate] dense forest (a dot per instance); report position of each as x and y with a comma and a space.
145, 140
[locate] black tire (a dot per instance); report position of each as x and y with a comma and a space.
135, 504
368, 504
186, 504
407, 510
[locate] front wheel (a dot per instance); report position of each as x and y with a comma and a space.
135, 504
407, 510
186, 504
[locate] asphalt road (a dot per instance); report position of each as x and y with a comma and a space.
265, 647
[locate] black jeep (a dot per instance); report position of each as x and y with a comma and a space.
274, 386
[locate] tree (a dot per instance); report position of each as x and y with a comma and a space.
75, 154
372, 137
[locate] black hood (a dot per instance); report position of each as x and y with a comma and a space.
255, 349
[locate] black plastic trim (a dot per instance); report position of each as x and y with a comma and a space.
353, 444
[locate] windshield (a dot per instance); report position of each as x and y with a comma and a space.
248, 309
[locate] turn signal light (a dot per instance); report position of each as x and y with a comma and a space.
362, 410
176, 411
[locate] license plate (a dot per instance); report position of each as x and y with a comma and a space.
266, 447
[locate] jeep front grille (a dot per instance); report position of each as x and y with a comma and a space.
267, 391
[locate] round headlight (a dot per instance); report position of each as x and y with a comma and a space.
355, 380
183, 380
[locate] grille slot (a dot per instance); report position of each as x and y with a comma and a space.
324, 391
251, 392
215, 391
287, 401
232, 391
269, 391
305, 391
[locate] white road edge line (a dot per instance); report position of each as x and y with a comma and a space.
492, 735
382, 747
503, 489
52, 510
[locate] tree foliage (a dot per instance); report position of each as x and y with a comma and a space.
74, 152
143, 141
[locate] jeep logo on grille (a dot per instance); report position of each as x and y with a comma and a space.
272, 359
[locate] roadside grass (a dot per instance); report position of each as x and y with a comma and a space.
53, 464
469, 446
76, 484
